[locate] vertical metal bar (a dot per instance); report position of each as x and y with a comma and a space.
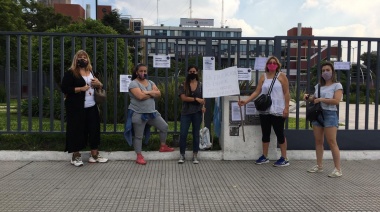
308, 74
176, 86
84, 43
62, 59
8, 79
277, 47
19, 82
115, 89
166, 84
299, 64
328, 56
186, 55
52, 91
196, 53
126, 54
219, 54
30, 83
105, 109
367, 84
348, 84
40, 83
208, 116
377, 88
267, 48
229, 53
237, 55
358, 69
94, 55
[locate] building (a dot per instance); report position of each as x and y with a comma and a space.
51, 3
201, 28
75, 11
102, 9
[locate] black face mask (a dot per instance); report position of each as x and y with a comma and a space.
192, 76
82, 63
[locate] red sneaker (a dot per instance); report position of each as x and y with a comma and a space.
140, 159
165, 148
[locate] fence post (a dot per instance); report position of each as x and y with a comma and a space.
208, 115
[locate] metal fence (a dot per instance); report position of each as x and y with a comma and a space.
34, 63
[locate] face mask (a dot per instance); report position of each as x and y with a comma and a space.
82, 63
327, 75
272, 67
192, 76
142, 76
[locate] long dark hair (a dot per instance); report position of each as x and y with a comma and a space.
134, 73
186, 85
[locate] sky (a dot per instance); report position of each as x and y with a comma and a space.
259, 18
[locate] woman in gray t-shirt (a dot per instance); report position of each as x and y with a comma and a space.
327, 125
190, 92
142, 92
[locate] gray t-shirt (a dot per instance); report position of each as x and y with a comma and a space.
191, 107
328, 93
144, 106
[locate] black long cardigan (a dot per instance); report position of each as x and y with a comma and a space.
75, 116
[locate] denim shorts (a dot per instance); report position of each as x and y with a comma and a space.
330, 119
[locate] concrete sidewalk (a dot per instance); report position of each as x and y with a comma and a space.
167, 186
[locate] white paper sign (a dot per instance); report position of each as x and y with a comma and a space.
220, 83
244, 73
260, 63
342, 65
161, 61
125, 80
208, 63
235, 112
250, 108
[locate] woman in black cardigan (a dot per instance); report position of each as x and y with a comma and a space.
83, 121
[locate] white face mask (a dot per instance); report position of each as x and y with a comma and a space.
327, 75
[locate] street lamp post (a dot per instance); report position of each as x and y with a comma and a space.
96, 9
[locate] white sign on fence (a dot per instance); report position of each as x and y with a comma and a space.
260, 63
208, 63
161, 61
342, 65
220, 83
125, 80
244, 74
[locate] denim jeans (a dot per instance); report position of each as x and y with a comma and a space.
195, 119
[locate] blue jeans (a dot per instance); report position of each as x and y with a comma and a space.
195, 119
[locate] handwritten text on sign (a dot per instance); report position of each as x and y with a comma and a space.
220, 83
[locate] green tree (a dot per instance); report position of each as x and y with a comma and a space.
113, 20
39, 18
82, 36
373, 60
11, 20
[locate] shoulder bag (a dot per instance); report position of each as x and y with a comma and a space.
100, 94
314, 110
264, 101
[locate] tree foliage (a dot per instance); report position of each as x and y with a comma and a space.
39, 18
104, 53
373, 61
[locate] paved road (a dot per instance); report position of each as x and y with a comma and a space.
168, 186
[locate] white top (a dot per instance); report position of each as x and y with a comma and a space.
89, 98
277, 95
328, 93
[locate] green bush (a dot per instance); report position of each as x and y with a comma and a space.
45, 105
2, 94
171, 97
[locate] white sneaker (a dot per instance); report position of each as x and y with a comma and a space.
195, 160
99, 159
77, 161
181, 159
315, 169
336, 173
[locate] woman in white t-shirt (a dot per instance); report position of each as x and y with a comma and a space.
327, 124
